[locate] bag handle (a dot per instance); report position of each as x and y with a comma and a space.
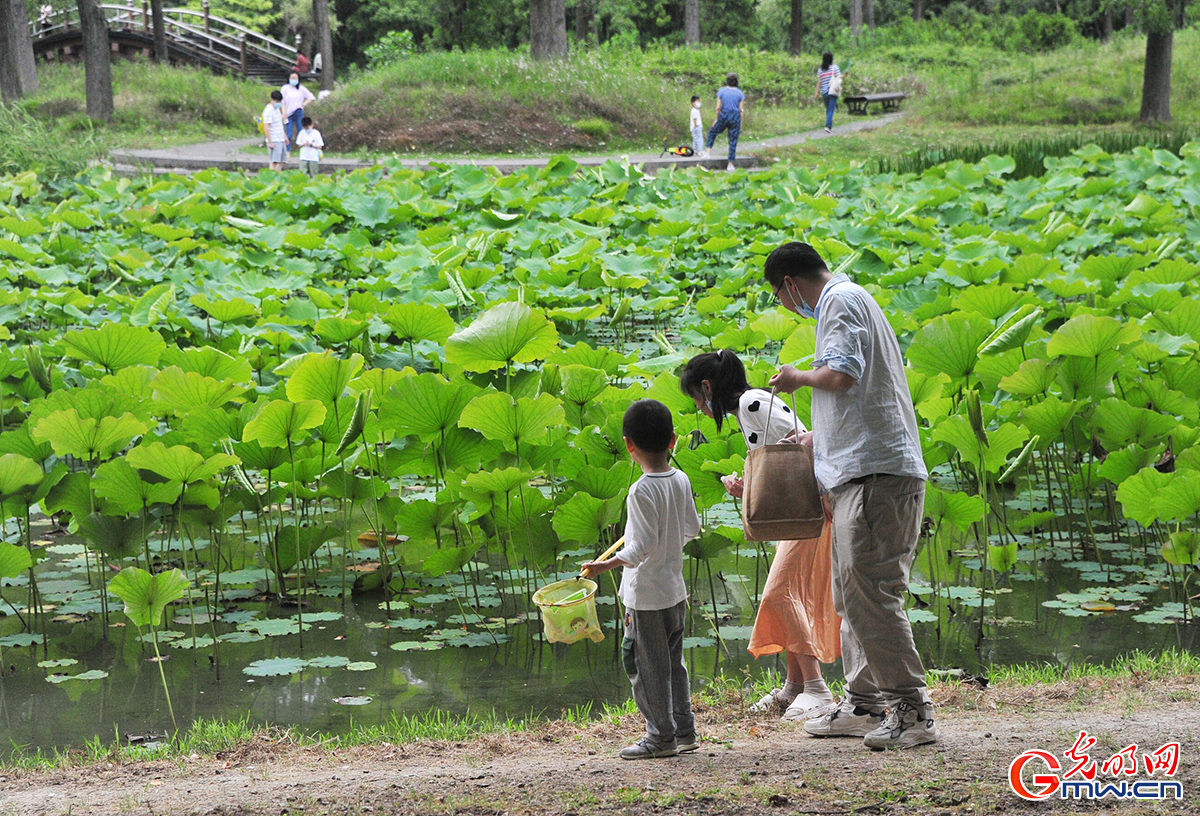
795, 420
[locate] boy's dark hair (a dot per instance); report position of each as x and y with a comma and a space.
277, 96
793, 260
695, 99
306, 121
648, 425
726, 377
826, 60
731, 80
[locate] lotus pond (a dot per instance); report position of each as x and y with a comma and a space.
304, 450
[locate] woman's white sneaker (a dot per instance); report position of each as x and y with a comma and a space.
847, 720
905, 726
809, 706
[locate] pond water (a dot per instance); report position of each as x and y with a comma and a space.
448, 659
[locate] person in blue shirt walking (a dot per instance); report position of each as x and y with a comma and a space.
829, 87
731, 104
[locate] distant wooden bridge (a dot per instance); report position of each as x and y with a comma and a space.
193, 38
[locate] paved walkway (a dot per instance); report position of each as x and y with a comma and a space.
231, 155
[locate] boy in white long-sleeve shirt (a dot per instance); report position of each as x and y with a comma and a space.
310, 143
696, 126
662, 518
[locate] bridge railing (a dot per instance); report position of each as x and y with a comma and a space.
221, 39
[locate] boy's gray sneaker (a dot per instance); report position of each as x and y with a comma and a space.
646, 748
847, 720
905, 726
686, 743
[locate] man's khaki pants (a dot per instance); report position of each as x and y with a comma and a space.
876, 522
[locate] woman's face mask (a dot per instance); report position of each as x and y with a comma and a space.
294, 82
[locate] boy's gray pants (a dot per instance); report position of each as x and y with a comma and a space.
652, 652
697, 139
876, 522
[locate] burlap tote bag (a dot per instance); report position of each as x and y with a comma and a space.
780, 498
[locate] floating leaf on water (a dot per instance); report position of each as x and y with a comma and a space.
417, 646
699, 642
412, 624
273, 627
352, 701
329, 662
94, 674
321, 617
199, 642
921, 616
56, 664
241, 637
360, 666
275, 667
20, 639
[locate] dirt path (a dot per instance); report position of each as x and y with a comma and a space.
232, 155
744, 766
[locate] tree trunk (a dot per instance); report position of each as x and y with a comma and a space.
856, 17
796, 28
870, 11
583, 21
324, 42
97, 60
1106, 24
1156, 80
918, 10
161, 55
1130, 19
18, 71
691, 22
547, 29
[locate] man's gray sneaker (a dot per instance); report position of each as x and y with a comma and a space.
646, 748
905, 726
687, 743
847, 720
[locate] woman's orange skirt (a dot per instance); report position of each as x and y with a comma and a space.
796, 612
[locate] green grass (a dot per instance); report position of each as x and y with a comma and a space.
212, 737
155, 106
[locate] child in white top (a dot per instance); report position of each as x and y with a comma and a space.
662, 519
696, 126
310, 143
277, 142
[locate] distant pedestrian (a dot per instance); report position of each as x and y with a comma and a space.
829, 87
731, 104
301, 64
310, 143
696, 126
294, 97
316, 63
44, 14
277, 140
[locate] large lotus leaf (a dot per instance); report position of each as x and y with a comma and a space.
186, 391
368, 210
115, 345
449, 559
21, 441
993, 300
800, 345
580, 386
224, 311
425, 406
511, 422
1002, 557
322, 377
72, 494
582, 518
281, 422
507, 333
87, 439
209, 362
1083, 377
1179, 499
707, 546
1138, 495
116, 537
118, 483
1013, 332
955, 431
422, 519
1049, 418
275, 667
297, 544
605, 483
1089, 335
14, 560
1182, 549
1184, 318
178, 463
18, 474
493, 483
257, 457
949, 345
146, 595
339, 330
1032, 378
957, 508
1119, 465
413, 322
1119, 424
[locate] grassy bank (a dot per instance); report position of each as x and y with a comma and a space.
722, 701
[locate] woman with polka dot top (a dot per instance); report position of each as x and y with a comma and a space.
796, 613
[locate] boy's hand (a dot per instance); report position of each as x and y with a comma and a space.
594, 568
734, 485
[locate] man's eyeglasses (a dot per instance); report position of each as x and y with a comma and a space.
775, 294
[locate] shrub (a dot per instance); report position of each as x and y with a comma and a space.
393, 47
25, 144
595, 127
1045, 32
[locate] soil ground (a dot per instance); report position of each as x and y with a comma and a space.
746, 765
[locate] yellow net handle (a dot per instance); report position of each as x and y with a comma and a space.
616, 546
